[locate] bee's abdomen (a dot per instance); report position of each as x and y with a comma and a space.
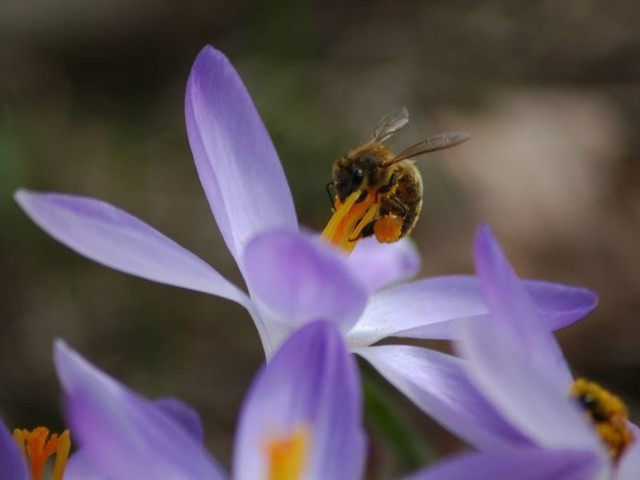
407, 198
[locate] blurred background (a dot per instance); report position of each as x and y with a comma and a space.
91, 102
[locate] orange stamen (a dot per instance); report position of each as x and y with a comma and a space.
37, 449
349, 218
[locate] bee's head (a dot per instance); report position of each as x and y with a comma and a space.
358, 170
348, 176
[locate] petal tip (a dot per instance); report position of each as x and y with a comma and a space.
19, 193
591, 298
488, 255
68, 364
60, 347
210, 51
208, 61
22, 196
485, 240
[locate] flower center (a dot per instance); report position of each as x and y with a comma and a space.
36, 448
608, 414
349, 218
287, 455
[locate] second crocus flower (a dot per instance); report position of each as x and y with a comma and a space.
558, 426
300, 420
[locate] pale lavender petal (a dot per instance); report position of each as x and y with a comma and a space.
513, 314
379, 265
431, 308
183, 414
300, 278
515, 464
522, 394
271, 329
12, 464
438, 384
558, 304
80, 468
122, 434
310, 384
238, 167
429, 303
118, 240
629, 466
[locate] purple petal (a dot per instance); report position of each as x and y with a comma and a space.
123, 434
379, 265
12, 464
300, 279
183, 414
528, 398
520, 464
238, 167
513, 314
431, 308
560, 305
79, 467
118, 240
438, 384
311, 384
629, 465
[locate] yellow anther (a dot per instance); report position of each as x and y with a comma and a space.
608, 414
287, 455
37, 446
349, 218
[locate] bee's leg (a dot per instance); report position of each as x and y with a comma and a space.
393, 181
331, 191
399, 204
366, 231
363, 196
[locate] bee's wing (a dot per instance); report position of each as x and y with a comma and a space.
431, 144
390, 124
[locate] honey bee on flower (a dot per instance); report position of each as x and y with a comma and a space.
376, 192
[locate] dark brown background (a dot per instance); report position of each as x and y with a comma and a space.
91, 98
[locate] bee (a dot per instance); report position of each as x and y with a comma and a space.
376, 192
607, 413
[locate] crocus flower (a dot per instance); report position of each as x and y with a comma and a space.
292, 278
570, 426
301, 419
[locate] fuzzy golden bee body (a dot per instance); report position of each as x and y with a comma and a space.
376, 192
397, 187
